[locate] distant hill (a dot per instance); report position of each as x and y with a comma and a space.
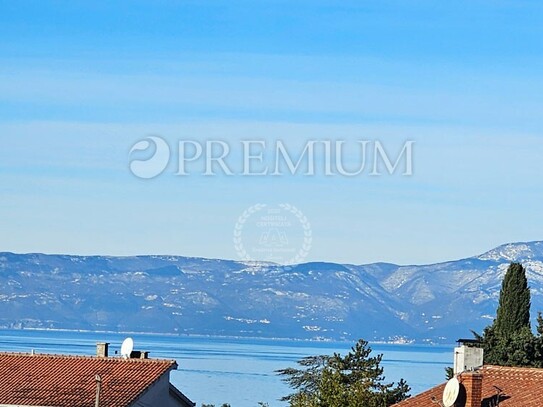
172, 294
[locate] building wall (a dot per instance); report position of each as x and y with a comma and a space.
158, 395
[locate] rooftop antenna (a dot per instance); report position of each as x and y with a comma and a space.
498, 397
451, 392
127, 347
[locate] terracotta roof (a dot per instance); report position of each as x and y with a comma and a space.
521, 387
62, 381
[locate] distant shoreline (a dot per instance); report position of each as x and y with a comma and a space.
200, 336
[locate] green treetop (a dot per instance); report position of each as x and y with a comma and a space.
353, 380
509, 341
513, 313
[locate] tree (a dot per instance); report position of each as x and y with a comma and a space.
449, 373
539, 324
355, 379
513, 313
538, 347
509, 341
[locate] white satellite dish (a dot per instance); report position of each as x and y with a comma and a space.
451, 392
127, 347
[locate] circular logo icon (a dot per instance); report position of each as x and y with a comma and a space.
278, 234
156, 161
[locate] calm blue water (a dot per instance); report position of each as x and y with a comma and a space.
236, 371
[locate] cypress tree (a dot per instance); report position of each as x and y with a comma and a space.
509, 341
513, 313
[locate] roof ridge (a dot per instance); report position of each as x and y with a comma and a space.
521, 368
85, 357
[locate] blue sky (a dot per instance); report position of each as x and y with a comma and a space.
81, 82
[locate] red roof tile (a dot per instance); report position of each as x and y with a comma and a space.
522, 387
62, 381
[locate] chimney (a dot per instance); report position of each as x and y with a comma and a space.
467, 357
102, 349
138, 354
473, 384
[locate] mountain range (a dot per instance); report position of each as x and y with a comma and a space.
435, 303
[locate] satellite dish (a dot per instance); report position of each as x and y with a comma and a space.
127, 347
451, 392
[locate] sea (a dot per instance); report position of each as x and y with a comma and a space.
237, 371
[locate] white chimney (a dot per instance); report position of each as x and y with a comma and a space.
467, 359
